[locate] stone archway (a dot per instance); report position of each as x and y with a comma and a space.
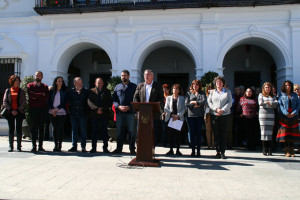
149, 46
274, 48
63, 56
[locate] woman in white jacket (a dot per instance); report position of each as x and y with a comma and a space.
174, 109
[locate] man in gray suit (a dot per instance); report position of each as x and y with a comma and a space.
150, 91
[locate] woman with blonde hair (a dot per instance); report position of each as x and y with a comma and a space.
267, 103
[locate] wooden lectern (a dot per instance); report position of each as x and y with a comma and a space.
145, 141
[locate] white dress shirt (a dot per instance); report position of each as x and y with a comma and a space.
148, 91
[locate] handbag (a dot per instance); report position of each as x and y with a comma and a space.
4, 111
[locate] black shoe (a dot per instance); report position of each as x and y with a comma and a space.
193, 154
223, 156
198, 154
33, 149
93, 150
169, 153
19, 149
218, 156
73, 149
11, 150
105, 150
83, 150
116, 151
178, 153
132, 152
41, 149
55, 149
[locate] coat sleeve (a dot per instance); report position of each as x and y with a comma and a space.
116, 100
228, 105
22, 102
181, 112
90, 103
281, 106
167, 108
108, 100
187, 101
6, 103
202, 100
136, 96
210, 102
261, 101
296, 111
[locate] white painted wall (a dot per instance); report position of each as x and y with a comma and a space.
50, 42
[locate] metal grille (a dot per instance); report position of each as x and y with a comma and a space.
43, 7
8, 67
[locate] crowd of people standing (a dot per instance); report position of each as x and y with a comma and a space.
241, 118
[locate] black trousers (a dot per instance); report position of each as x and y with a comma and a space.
37, 118
174, 134
15, 123
58, 123
220, 128
251, 132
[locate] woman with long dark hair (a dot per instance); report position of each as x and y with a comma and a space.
57, 110
288, 132
14, 101
249, 107
194, 101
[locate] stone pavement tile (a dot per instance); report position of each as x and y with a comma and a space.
49, 175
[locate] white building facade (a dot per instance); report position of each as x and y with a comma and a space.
245, 44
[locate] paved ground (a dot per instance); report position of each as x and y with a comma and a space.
49, 175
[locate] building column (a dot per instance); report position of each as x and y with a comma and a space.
45, 53
295, 25
209, 30
124, 45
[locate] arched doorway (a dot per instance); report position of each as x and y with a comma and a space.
251, 61
249, 65
85, 58
89, 65
171, 63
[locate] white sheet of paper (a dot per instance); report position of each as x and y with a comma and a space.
175, 124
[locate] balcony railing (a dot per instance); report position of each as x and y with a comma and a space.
43, 7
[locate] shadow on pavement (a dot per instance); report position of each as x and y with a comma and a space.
200, 164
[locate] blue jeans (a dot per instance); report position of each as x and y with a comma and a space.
128, 120
195, 124
96, 124
78, 123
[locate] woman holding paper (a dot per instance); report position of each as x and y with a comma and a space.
195, 101
175, 109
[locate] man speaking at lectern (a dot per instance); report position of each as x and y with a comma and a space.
150, 91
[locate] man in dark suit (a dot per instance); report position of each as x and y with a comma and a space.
150, 91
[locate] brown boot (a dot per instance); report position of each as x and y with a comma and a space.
286, 152
292, 151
